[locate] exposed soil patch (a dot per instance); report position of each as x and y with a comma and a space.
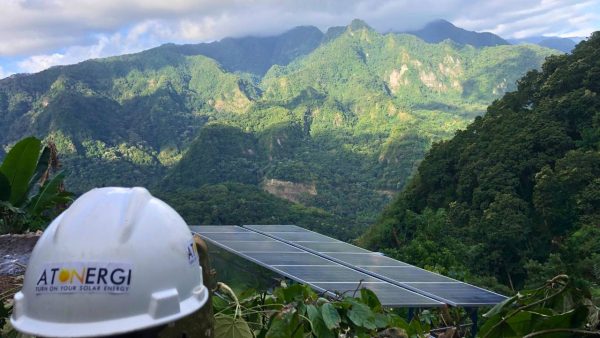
290, 191
14, 256
9, 285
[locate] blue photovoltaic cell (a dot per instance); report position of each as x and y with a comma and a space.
259, 246
316, 274
236, 236
366, 259
405, 274
326, 247
389, 294
304, 237
460, 293
430, 284
305, 267
277, 228
289, 258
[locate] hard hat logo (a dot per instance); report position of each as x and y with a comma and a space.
192, 253
84, 277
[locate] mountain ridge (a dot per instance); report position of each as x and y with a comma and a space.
512, 196
564, 45
352, 117
439, 30
309, 37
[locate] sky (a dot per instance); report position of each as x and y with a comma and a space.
38, 34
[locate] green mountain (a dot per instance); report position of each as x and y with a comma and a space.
440, 30
256, 55
516, 194
562, 44
338, 121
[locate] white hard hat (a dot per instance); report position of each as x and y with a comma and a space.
118, 260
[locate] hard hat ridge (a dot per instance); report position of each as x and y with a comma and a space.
138, 199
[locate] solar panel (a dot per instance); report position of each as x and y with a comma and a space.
236, 236
366, 259
329, 247
278, 227
326, 273
460, 293
204, 229
322, 274
408, 274
272, 247
444, 289
289, 258
297, 236
386, 292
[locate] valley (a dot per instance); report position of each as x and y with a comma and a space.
349, 113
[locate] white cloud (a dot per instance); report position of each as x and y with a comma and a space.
43, 33
142, 36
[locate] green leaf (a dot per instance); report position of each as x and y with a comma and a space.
575, 318
312, 312
48, 196
331, 317
11, 208
318, 325
19, 166
521, 322
219, 304
381, 320
415, 327
490, 330
291, 293
501, 306
370, 298
229, 327
285, 325
361, 315
4, 188
42, 164
397, 321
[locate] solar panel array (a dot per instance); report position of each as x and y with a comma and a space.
333, 266
432, 285
322, 274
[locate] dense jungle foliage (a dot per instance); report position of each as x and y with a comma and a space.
515, 196
559, 308
336, 121
31, 187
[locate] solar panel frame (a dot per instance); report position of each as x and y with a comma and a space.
297, 236
408, 274
325, 273
289, 258
202, 229
236, 236
383, 290
286, 270
451, 299
330, 247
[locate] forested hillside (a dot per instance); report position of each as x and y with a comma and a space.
336, 121
515, 196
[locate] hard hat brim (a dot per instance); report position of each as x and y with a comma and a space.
36, 327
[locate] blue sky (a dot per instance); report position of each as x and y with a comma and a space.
37, 34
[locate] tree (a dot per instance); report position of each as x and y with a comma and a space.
31, 189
